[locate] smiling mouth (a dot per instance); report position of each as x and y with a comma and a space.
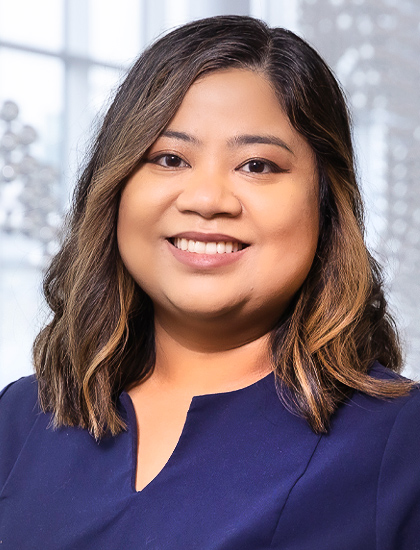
200, 247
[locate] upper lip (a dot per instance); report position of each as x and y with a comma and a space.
207, 237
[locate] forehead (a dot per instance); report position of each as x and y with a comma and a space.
235, 102
241, 92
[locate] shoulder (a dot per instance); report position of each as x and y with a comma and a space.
19, 410
387, 435
406, 406
398, 489
369, 465
391, 405
378, 417
383, 373
401, 416
19, 399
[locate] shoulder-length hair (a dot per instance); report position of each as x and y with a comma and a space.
100, 339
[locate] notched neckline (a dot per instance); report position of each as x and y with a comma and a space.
195, 401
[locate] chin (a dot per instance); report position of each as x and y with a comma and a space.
198, 306
207, 312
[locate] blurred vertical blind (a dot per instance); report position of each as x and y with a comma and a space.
60, 59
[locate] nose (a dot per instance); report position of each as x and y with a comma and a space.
209, 194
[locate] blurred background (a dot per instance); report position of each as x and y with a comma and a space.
61, 60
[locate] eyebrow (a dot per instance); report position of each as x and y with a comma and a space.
180, 135
250, 139
236, 141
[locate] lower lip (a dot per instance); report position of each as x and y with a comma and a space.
205, 261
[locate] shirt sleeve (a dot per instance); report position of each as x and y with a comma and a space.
398, 498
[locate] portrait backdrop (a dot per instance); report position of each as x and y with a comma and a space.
61, 59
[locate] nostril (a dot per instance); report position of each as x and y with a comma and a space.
208, 201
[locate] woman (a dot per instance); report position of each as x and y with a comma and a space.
220, 368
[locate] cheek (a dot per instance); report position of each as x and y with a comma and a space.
127, 226
138, 210
305, 227
139, 231
144, 201
292, 232
293, 219
132, 226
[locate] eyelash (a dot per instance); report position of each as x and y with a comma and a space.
272, 167
158, 158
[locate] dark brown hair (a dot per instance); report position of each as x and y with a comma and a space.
100, 339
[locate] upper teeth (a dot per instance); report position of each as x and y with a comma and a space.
201, 247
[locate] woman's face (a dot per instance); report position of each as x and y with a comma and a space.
221, 218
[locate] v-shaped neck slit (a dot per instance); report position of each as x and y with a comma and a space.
135, 430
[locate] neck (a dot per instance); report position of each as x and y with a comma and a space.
196, 368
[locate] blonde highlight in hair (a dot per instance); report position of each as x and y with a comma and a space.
101, 338
325, 349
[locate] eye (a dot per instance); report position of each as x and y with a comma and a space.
169, 161
260, 166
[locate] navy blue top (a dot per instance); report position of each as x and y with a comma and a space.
246, 474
